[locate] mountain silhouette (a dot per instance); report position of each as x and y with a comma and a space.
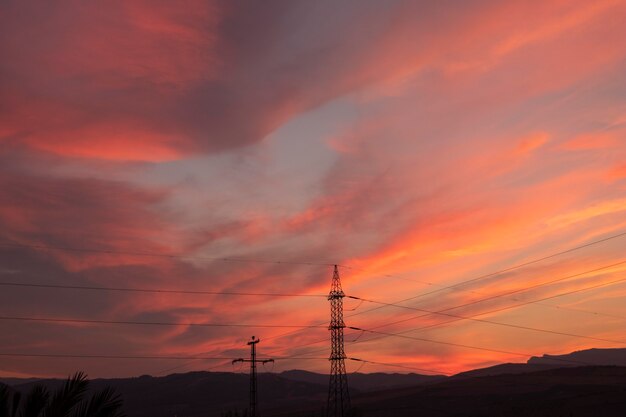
549, 385
366, 382
587, 357
593, 356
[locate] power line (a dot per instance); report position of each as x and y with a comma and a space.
318, 326
492, 311
163, 371
232, 293
460, 345
434, 371
156, 290
508, 293
578, 310
531, 262
604, 284
492, 274
595, 286
456, 285
535, 286
77, 287
149, 323
72, 356
473, 302
80, 356
471, 318
458, 319
481, 277
559, 307
364, 361
501, 309
269, 261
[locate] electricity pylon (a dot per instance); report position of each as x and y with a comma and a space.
253, 386
338, 396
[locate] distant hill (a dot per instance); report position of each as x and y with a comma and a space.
202, 394
208, 394
599, 357
17, 381
615, 357
366, 382
505, 369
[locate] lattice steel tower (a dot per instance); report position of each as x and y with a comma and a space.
338, 395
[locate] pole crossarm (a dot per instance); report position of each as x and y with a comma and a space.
263, 361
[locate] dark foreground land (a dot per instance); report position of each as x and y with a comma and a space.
587, 391
576, 392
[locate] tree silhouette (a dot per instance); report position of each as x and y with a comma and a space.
67, 401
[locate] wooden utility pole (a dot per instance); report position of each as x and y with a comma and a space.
253, 382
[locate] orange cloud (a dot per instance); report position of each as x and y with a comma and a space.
591, 141
604, 208
617, 173
110, 142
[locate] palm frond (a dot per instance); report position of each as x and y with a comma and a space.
65, 399
6, 397
105, 403
17, 396
35, 402
9, 401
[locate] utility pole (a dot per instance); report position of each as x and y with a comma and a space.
338, 396
253, 386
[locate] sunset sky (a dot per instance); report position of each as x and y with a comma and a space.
418, 144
